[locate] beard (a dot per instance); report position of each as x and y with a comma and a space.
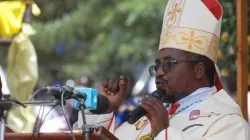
173, 97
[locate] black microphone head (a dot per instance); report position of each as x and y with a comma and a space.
57, 91
135, 115
159, 94
102, 105
139, 112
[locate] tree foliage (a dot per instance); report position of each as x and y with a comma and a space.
100, 38
228, 46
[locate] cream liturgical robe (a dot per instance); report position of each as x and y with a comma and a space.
216, 117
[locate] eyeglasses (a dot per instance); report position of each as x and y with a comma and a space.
166, 66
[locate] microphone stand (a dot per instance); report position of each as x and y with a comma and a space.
6, 104
85, 126
2, 119
86, 129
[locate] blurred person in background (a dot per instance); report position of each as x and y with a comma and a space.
54, 116
56, 78
84, 81
121, 114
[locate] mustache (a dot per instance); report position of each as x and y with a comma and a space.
160, 80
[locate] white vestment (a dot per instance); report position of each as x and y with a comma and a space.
211, 115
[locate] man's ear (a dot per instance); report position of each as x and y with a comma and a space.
199, 71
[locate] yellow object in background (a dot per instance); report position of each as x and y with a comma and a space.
22, 76
225, 72
35, 9
11, 17
225, 37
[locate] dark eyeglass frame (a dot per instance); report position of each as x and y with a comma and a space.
167, 65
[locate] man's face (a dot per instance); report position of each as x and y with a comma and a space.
174, 74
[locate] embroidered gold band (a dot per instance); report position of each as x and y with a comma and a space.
191, 40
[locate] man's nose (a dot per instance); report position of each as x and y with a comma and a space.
160, 72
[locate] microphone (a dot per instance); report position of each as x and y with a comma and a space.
139, 111
97, 103
69, 92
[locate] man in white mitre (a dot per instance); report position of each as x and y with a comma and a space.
198, 106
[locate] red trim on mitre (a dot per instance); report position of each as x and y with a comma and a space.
214, 7
218, 82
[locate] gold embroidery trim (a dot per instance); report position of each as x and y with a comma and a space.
174, 13
191, 40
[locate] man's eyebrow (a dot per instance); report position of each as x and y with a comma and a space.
167, 58
157, 61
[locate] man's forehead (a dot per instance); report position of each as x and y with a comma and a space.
170, 54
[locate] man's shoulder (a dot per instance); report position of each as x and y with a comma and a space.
216, 110
214, 107
220, 102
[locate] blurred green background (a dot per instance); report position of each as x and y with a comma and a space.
100, 38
